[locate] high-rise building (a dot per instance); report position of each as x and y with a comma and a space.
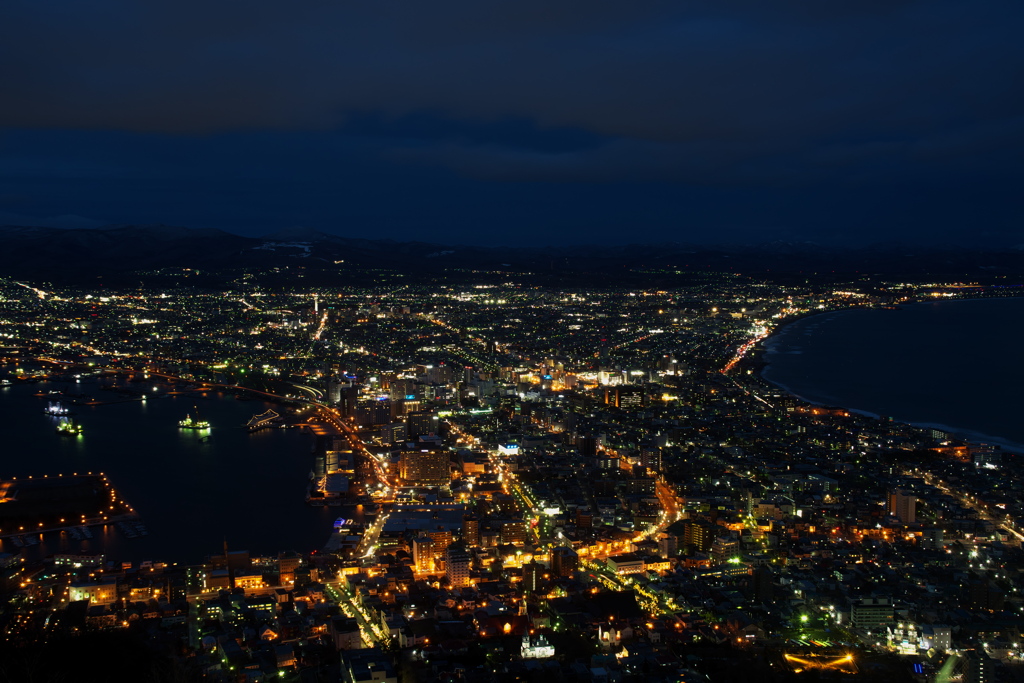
650, 457
533, 574
668, 364
287, 563
376, 412
513, 531
396, 432
763, 585
564, 561
868, 613
426, 468
401, 389
457, 565
334, 386
423, 553
978, 667
471, 530
442, 538
423, 423
630, 397
700, 534
346, 400
591, 444
902, 505
584, 518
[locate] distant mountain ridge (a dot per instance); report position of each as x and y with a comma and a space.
84, 253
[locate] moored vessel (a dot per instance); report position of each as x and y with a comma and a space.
68, 427
194, 423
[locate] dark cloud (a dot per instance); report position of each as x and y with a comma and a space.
668, 71
883, 104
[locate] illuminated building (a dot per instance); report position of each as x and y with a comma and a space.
901, 505
537, 647
374, 413
75, 561
287, 563
96, 593
249, 580
441, 538
457, 564
513, 531
396, 432
626, 397
979, 667
668, 364
650, 457
700, 534
345, 633
406, 406
423, 553
347, 400
425, 467
471, 530
904, 637
626, 564
334, 387
420, 424
869, 613
533, 573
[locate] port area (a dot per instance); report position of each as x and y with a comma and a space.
63, 502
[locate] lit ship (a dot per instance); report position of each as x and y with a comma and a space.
190, 423
68, 427
57, 409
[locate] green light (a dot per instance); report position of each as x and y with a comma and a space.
804, 618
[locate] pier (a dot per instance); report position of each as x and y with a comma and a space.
31, 506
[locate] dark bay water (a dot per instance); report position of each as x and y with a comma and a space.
956, 365
192, 495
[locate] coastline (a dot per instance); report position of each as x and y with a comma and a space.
758, 362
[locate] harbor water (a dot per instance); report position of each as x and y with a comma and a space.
192, 493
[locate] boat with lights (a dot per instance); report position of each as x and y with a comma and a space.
68, 427
56, 409
194, 423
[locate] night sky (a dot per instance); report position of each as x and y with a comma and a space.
526, 122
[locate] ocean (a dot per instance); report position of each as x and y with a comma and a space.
954, 365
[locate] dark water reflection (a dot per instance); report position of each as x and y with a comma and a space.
192, 494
